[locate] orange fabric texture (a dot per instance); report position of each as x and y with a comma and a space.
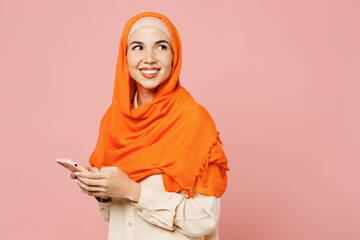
171, 135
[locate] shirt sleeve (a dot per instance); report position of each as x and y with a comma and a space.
197, 216
104, 210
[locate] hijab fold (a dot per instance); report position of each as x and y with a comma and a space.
171, 135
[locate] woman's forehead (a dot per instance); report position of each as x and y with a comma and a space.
148, 33
149, 22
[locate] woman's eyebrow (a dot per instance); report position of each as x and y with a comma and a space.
157, 42
162, 41
136, 42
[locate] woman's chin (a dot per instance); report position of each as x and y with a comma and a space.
149, 84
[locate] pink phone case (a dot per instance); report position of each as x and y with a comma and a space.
72, 166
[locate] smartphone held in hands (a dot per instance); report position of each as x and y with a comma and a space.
72, 166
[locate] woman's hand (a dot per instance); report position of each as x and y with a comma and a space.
91, 169
108, 182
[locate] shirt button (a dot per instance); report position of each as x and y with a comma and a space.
130, 224
140, 211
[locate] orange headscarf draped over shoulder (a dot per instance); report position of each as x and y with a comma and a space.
171, 135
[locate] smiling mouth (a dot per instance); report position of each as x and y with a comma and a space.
150, 72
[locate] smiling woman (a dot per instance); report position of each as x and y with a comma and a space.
158, 169
149, 57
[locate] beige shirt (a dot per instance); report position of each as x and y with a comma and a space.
162, 215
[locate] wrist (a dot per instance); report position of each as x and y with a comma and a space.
135, 192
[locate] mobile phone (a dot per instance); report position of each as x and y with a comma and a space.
72, 166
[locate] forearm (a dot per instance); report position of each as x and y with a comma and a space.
195, 216
105, 202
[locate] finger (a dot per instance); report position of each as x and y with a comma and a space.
94, 194
93, 175
93, 182
94, 169
84, 191
91, 188
87, 168
72, 175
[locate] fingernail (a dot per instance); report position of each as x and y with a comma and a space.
77, 174
79, 188
76, 180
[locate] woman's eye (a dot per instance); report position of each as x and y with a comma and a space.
137, 48
162, 47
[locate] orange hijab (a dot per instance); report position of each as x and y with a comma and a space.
171, 135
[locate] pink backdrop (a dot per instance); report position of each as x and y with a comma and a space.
280, 78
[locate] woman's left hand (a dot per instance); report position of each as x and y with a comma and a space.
109, 182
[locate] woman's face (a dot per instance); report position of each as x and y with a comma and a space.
149, 57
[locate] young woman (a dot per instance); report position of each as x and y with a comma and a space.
158, 169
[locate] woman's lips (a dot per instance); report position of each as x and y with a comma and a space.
150, 72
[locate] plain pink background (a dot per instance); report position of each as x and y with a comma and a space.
280, 79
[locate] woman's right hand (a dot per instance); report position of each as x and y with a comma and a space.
91, 169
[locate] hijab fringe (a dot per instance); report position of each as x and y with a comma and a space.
203, 175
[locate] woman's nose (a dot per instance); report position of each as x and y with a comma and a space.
149, 56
